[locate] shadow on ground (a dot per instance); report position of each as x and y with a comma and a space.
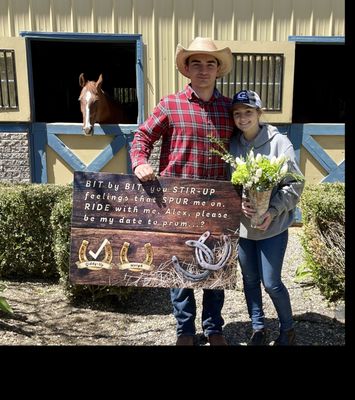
140, 301
312, 329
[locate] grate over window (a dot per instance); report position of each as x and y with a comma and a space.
262, 73
8, 85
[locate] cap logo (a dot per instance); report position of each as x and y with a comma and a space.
243, 96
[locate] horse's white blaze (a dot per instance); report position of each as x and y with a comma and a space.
87, 113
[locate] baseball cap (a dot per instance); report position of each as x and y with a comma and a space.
247, 97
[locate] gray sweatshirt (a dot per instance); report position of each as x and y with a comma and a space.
286, 195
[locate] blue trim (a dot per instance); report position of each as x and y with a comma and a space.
38, 150
140, 81
337, 175
65, 153
323, 129
317, 39
77, 129
45, 134
318, 153
295, 135
13, 127
107, 154
81, 36
30, 79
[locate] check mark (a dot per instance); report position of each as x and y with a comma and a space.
95, 255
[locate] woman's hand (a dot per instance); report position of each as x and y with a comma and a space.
266, 222
247, 209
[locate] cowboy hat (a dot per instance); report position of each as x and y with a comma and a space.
202, 45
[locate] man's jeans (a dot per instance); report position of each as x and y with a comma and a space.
261, 261
184, 308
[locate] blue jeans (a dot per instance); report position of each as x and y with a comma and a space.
261, 261
184, 308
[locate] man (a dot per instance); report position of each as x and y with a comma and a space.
184, 121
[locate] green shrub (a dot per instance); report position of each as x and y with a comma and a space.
323, 238
25, 231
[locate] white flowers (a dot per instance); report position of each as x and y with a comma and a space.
259, 172
255, 172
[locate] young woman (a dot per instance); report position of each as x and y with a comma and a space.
262, 248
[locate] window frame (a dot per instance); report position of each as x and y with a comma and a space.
287, 50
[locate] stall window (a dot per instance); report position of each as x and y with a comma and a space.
262, 73
8, 85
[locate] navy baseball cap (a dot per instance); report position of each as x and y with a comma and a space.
247, 97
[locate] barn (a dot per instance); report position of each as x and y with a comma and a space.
291, 51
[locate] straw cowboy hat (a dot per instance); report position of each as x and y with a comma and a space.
201, 45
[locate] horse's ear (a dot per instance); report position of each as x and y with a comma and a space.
99, 81
82, 80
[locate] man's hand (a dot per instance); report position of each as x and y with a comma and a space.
144, 172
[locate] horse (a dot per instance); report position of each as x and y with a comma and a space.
98, 106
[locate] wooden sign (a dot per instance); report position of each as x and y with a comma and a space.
171, 232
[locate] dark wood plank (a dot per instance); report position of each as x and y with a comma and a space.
126, 233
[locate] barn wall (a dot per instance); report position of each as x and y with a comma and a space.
165, 23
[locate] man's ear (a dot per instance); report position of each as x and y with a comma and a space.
186, 69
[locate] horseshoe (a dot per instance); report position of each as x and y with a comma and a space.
201, 249
226, 253
108, 253
136, 266
82, 251
123, 253
189, 275
149, 255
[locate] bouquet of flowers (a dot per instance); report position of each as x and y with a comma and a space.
258, 174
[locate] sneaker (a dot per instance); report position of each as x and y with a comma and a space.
258, 338
286, 338
217, 340
185, 340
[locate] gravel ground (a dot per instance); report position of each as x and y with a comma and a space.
44, 316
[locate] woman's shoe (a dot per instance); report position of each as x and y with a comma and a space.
286, 338
258, 338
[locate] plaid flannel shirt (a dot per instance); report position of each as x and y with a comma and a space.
184, 122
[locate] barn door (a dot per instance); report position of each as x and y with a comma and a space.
60, 149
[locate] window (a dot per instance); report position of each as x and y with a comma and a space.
260, 72
8, 87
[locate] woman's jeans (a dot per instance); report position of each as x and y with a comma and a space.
184, 308
261, 261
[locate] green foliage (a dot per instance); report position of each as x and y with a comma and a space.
35, 223
323, 202
26, 245
4, 305
323, 239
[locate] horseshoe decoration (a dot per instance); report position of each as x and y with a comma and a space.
92, 264
189, 275
201, 249
82, 251
206, 250
136, 266
205, 257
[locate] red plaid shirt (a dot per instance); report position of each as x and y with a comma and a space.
184, 122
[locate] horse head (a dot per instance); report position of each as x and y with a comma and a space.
89, 100
98, 106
